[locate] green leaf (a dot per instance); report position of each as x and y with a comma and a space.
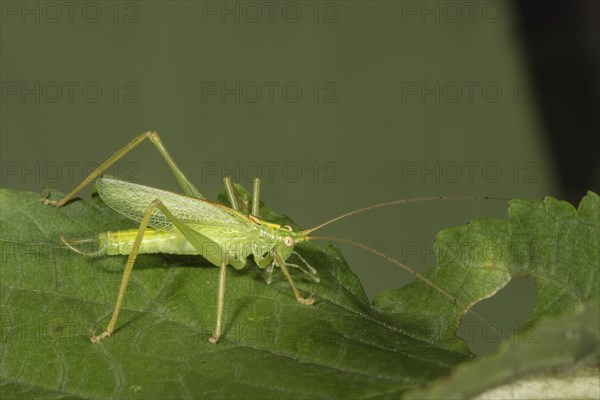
53, 299
550, 241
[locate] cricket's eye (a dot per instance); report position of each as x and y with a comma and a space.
288, 241
289, 228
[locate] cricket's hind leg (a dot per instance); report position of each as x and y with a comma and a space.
206, 248
188, 188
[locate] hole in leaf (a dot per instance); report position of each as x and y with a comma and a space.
504, 313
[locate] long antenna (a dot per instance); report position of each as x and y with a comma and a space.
402, 201
404, 267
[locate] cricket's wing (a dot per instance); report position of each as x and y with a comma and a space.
132, 200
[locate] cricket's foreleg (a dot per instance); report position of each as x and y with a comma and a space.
188, 188
299, 298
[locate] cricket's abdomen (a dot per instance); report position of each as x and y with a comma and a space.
154, 241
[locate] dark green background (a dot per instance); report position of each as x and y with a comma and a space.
370, 51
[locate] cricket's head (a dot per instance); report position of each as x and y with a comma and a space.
287, 239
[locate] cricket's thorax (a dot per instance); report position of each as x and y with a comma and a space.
282, 239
